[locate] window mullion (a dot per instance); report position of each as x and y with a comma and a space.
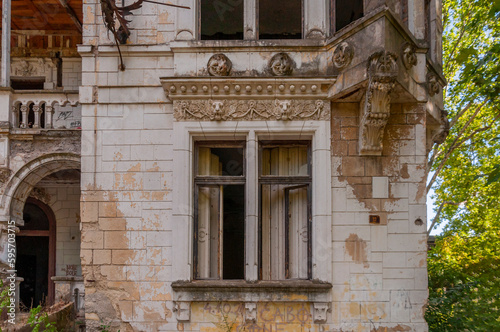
250, 8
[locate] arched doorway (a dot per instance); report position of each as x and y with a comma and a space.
36, 250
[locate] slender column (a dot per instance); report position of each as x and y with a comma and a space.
24, 116
49, 112
36, 111
5, 77
15, 116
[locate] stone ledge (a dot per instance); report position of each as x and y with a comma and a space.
258, 286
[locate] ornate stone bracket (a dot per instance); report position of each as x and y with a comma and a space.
375, 109
250, 312
433, 84
182, 311
321, 310
408, 55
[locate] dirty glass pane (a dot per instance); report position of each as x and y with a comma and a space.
220, 161
296, 205
285, 161
347, 11
221, 19
280, 19
208, 232
284, 217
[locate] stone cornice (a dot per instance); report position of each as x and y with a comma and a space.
238, 88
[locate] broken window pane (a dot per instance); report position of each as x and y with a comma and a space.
280, 19
221, 19
220, 161
347, 11
285, 160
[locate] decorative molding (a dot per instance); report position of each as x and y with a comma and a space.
433, 84
184, 88
182, 311
250, 312
227, 110
408, 55
342, 56
281, 64
33, 67
219, 65
375, 111
321, 310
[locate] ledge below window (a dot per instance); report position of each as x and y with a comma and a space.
250, 293
241, 290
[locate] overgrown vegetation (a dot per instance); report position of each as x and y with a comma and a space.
464, 272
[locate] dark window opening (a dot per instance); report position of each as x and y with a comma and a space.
233, 253
31, 116
219, 246
27, 83
280, 19
32, 261
221, 19
347, 11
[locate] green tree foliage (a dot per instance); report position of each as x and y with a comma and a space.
464, 271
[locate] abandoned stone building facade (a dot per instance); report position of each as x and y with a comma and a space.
239, 165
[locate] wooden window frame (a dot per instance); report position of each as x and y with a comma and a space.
294, 182
208, 181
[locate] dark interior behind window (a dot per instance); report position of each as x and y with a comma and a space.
221, 19
347, 11
280, 19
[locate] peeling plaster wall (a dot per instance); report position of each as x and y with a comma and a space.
379, 272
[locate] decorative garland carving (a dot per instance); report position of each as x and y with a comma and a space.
281, 64
433, 84
219, 65
342, 56
408, 55
227, 110
382, 72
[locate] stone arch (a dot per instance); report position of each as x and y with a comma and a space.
23, 181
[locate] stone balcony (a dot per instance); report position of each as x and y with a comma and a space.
34, 110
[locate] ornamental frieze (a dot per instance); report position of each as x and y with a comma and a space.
235, 110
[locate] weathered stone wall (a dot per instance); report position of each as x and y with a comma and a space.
380, 271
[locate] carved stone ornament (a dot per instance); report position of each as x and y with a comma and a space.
321, 310
250, 312
342, 56
433, 84
408, 55
182, 311
444, 128
281, 64
219, 65
375, 109
227, 110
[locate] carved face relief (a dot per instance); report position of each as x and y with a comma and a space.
219, 65
408, 55
342, 56
281, 64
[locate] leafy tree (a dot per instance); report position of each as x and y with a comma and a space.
464, 269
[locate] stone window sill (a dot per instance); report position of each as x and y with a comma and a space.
251, 293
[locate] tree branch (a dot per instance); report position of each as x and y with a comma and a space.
454, 145
438, 213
